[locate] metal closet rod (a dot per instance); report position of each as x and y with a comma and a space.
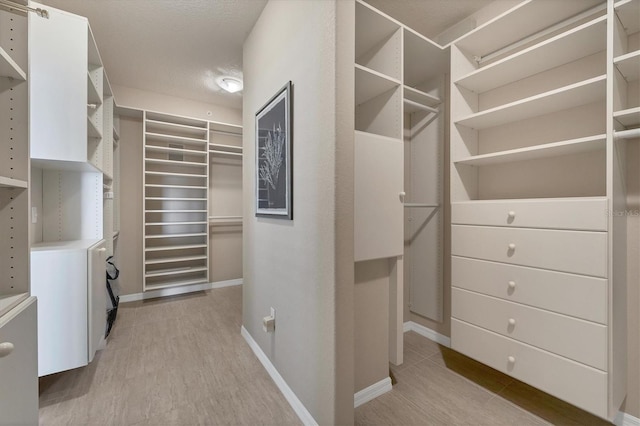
22, 8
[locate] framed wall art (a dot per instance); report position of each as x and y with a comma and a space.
274, 196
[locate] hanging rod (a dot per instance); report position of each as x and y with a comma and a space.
43, 13
628, 134
541, 33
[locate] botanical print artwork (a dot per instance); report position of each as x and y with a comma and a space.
273, 157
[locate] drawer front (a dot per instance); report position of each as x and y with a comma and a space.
582, 386
567, 251
578, 214
576, 295
579, 340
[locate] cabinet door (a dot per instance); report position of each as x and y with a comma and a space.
19, 368
379, 180
58, 86
97, 297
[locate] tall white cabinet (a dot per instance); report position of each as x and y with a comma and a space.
71, 132
18, 313
537, 180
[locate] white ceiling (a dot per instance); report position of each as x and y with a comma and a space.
174, 47
429, 17
179, 47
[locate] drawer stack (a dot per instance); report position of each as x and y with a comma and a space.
538, 236
529, 293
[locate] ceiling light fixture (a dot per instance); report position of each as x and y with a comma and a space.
230, 84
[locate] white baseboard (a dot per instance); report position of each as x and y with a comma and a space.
624, 419
164, 292
288, 393
372, 392
427, 332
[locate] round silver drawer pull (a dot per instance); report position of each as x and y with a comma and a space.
512, 246
511, 359
512, 284
5, 349
511, 214
512, 321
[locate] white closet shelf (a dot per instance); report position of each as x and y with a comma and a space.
412, 106
171, 248
226, 133
191, 175
9, 68
92, 129
174, 283
115, 234
107, 177
175, 119
174, 223
420, 97
7, 182
519, 22
628, 117
229, 153
92, 91
171, 138
174, 162
10, 301
221, 146
116, 136
373, 28
174, 199
190, 131
155, 237
153, 185
163, 260
556, 149
176, 150
628, 11
569, 46
64, 245
225, 128
574, 95
225, 220
175, 271
629, 65
370, 83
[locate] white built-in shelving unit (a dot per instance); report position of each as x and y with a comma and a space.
535, 96
626, 59
176, 179
18, 328
73, 170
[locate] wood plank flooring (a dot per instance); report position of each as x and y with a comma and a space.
182, 361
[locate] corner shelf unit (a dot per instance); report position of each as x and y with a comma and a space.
176, 178
536, 96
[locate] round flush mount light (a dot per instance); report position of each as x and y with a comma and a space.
230, 84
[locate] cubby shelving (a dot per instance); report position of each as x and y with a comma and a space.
527, 178
377, 42
629, 117
176, 175
629, 65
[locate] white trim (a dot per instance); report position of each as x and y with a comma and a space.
428, 333
290, 396
624, 419
172, 291
372, 392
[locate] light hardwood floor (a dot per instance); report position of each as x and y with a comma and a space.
182, 361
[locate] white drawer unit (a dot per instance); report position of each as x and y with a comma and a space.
567, 251
570, 294
578, 384
579, 340
578, 214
